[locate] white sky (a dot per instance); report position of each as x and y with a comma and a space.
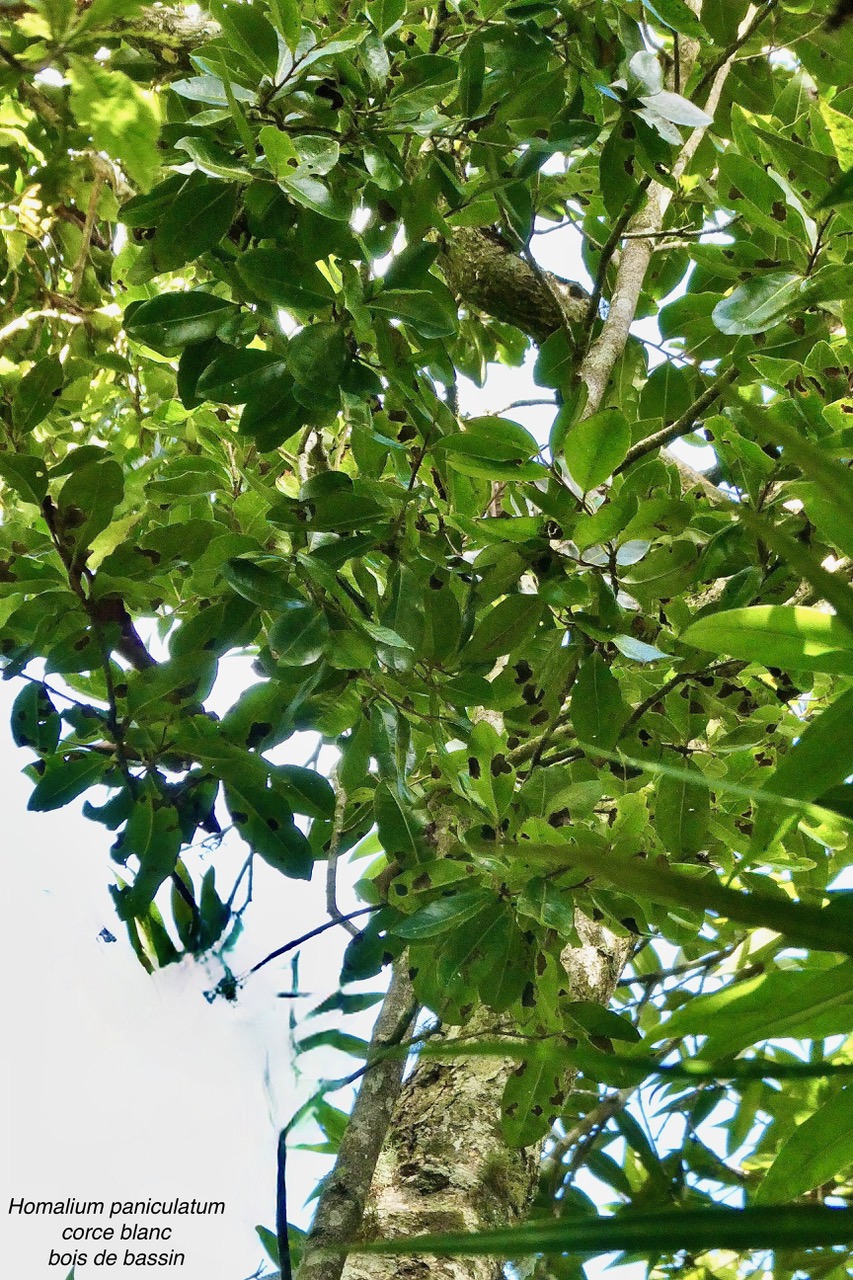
125, 1086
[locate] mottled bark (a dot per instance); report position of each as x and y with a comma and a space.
487, 276
169, 34
445, 1165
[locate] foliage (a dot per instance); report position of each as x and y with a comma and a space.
559, 678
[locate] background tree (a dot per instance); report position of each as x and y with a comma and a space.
590, 705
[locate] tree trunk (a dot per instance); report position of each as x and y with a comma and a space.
445, 1165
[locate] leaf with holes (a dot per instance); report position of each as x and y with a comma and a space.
263, 818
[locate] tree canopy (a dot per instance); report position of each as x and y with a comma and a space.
591, 706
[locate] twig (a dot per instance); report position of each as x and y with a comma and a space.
247, 866
610, 246
441, 16
88, 228
28, 91
306, 937
740, 39
285, 1267
647, 703
549, 285
526, 404
332, 907
660, 975
682, 425
588, 1128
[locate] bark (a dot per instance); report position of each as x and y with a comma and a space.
487, 276
639, 245
445, 1164
169, 34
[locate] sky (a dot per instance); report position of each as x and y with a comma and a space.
124, 1086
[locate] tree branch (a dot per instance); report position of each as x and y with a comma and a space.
489, 277
682, 426
341, 1204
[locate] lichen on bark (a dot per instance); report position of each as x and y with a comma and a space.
445, 1164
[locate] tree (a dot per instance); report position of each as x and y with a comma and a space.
590, 705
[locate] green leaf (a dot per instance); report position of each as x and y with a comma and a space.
504, 628
832, 480
121, 119
820, 928
35, 394
263, 582
317, 357
496, 439
677, 15
279, 276
287, 18
816, 1151
649, 1234
597, 709
597, 1021
264, 820
840, 193
164, 691
302, 156
314, 194
773, 1005
176, 320
148, 208
386, 15
428, 314
532, 1096
214, 161
547, 904
747, 188
26, 475
682, 813
493, 448
334, 1038
645, 73
472, 70
828, 586
638, 650
676, 109
65, 778
195, 220
443, 914
270, 1242
299, 635
236, 375
595, 446
758, 304
87, 500
306, 791
667, 393
400, 826
820, 759
249, 33
34, 720
275, 415
152, 834
794, 637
